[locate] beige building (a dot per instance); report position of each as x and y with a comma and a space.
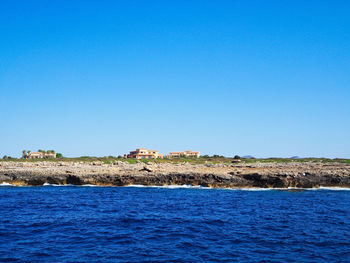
142, 153
50, 155
33, 155
185, 154
41, 155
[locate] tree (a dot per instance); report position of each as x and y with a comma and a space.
59, 155
24, 154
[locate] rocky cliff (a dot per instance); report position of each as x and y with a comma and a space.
266, 175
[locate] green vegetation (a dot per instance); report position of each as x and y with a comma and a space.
192, 160
131, 161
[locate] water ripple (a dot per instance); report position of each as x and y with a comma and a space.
133, 224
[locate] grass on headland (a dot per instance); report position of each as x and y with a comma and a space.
202, 160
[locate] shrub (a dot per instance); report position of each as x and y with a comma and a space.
217, 156
131, 161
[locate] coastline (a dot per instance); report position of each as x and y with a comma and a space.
198, 187
221, 175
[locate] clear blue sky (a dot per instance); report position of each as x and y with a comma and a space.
264, 78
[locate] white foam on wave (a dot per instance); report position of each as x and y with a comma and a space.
239, 188
184, 186
58, 185
47, 184
62, 185
169, 186
249, 189
6, 184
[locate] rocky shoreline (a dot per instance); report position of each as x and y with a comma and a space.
242, 175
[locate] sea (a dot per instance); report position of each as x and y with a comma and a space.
173, 224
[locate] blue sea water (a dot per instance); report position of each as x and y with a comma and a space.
130, 224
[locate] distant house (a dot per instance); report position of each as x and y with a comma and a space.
142, 153
50, 155
187, 153
41, 155
35, 155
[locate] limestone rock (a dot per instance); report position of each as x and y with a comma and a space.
220, 175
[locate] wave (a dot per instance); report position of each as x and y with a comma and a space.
241, 188
47, 184
250, 189
60, 185
186, 186
172, 186
6, 184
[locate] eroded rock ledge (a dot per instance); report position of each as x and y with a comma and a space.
266, 175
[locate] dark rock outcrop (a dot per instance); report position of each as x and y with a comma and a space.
74, 180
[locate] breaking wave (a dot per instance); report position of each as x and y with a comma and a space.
186, 186
6, 184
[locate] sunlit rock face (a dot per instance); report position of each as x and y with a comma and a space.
265, 175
